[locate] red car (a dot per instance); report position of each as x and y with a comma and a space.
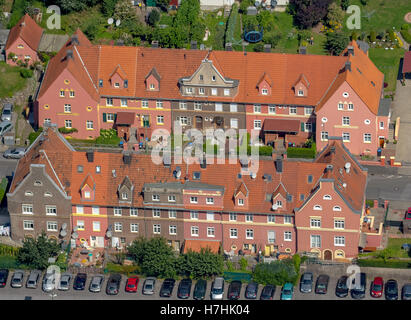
408, 214
131, 285
377, 287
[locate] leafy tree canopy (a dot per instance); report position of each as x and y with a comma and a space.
336, 42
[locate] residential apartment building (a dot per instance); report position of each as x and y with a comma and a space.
287, 97
110, 199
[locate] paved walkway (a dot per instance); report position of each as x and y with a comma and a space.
401, 108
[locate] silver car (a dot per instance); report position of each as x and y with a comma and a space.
5, 126
217, 289
7, 112
406, 292
64, 283
96, 283
17, 279
15, 153
148, 287
306, 282
49, 281
33, 279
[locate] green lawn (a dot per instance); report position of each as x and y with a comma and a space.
387, 61
380, 15
10, 80
217, 26
395, 244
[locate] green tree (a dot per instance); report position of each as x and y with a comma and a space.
272, 38
154, 256
276, 273
243, 264
385, 254
297, 262
153, 17
201, 264
345, 4
108, 7
36, 252
335, 14
163, 4
336, 42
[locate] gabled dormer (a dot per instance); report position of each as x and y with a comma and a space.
152, 80
125, 190
118, 78
301, 86
280, 198
241, 196
264, 85
88, 189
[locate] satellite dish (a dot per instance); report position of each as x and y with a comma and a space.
275, 206
347, 165
64, 226
63, 233
110, 20
74, 235
253, 175
75, 228
118, 22
109, 234
178, 174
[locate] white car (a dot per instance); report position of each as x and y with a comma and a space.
64, 283
49, 282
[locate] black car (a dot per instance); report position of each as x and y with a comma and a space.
113, 284
4, 274
358, 289
184, 289
167, 288
80, 281
234, 290
321, 285
200, 289
341, 290
391, 290
268, 292
251, 290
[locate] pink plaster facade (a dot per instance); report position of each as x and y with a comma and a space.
22, 50
361, 121
327, 206
152, 83
51, 107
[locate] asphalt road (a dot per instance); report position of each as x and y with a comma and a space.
7, 166
9, 293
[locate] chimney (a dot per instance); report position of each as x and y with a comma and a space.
74, 39
350, 50
302, 50
245, 53
69, 54
90, 155
348, 65
228, 46
279, 165
329, 168
193, 45
154, 44
126, 158
267, 47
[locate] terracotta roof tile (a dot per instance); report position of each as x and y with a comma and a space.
28, 30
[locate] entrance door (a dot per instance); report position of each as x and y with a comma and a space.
199, 122
382, 140
328, 255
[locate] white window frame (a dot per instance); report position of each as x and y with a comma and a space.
89, 124
345, 135
339, 241
156, 213
144, 103
259, 122
346, 121
172, 214
381, 126
233, 233
109, 101
308, 111
156, 228
232, 216
257, 108
80, 225
292, 110
240, 202
194, 215
218, 107
315, 223
317, 207
198, 106
54, 225
288, 236
249, 217
288, 220
24, 208
67, 108
79, 209
339, 224
272, 238
68, 124
124, 102
118, 212
155, 197
270, 218
27, 222
308, 127
209, 200
133, 212
367, 137
134, 227
211, 232
213, 91
201, 91
336, 208
249, 233
351, 106
195, 231
340, 106
233, 107
95, 224
172, 230
210, 216
50, 209
264, 92
193, 199
271, 109
226, 92
234, 123
95, 210
324, 135
315, 241
171, 198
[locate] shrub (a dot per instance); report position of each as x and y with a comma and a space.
308, 153
3, 187
406, 35
405, 26
243, 264
275, 273
33, 135
369, 203
26, 73
266, 151
65, 130
373, 36
380, 263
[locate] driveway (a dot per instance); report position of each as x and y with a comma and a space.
402, 109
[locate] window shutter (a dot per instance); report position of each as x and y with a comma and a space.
104, 117
302, 126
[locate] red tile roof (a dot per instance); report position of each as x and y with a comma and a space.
282, 125
28, 30
406, 66
126, 118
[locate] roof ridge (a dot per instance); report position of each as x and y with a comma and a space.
85, 68
52, 168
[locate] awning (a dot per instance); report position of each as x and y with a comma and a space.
281, 125
196, 245
125, 118
406, 65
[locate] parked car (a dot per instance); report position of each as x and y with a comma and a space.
113, 284
217, 289
5, 126
408, 214
200, 289
49, 281
4, 274
96, 283
15, 153
287, 291
167, 288
148, 287
33, 279
391, 290
406, 292
131, 284
268, 292
306, 282
64, 283
376, 287
184, 289
321, 286
251, 290
234, 290
358, 290
80, 281
17, 279
341, 290
7, 112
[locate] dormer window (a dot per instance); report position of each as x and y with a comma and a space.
152, 86
117, 85
264, 92
100, 83
98, 169
87, 194
125, 83
240, 202
300, 93
279, 203
124, 196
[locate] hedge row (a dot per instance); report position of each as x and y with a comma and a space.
380, 263
309, 153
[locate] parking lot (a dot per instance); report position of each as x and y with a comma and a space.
9, 293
